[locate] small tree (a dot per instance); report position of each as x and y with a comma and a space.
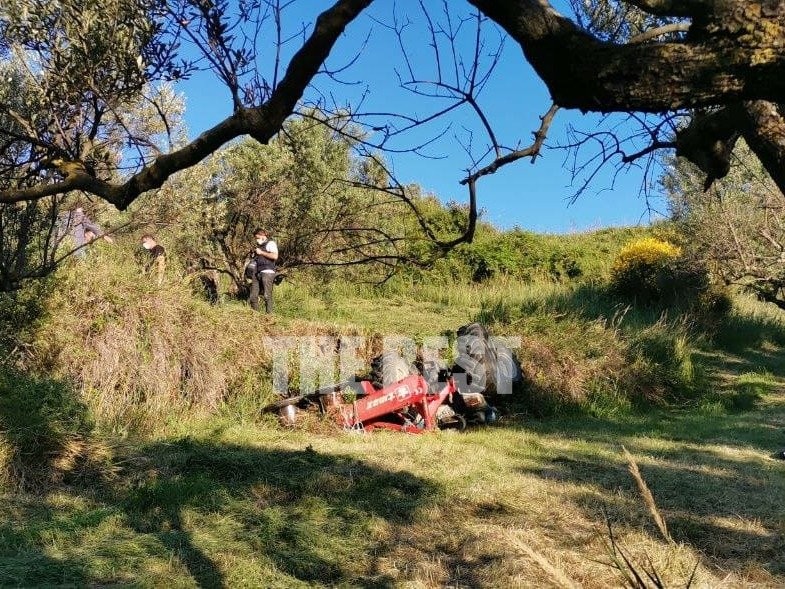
319, 199
737, 227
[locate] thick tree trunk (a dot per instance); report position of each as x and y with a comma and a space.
764, 132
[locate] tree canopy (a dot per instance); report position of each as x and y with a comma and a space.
718, 63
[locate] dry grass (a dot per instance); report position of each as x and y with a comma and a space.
219, 503
222, 498
556, 575
143, 354
646, 495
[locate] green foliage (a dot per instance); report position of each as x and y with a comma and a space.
735, 228
21, 313
606, 400
87, 65
524, 255
651, 270
744, 394
307, 187
748, 389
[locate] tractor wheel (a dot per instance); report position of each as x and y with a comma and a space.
483, 361
389, 368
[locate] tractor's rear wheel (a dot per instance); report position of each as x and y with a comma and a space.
483, 361
389, 368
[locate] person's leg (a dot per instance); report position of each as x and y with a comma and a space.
268, 281
253, 297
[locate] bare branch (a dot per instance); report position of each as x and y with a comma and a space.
531, 151
670, 28
260, 122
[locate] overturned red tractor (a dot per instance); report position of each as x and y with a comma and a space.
400, 397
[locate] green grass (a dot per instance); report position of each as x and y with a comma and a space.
242, 505
230, 499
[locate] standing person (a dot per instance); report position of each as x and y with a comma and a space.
157, 257
82, 229
265, 255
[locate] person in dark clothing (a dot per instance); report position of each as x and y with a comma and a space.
265, 254
157, 257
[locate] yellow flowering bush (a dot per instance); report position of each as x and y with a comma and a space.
649, 251
653, 270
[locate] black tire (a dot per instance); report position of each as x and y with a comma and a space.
435, 373
389, 368
483, 361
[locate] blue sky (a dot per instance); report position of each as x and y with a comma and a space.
534, 197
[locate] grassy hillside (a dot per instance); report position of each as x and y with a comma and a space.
133, 451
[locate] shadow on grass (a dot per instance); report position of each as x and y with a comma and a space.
711, 477
302, 516
303, 511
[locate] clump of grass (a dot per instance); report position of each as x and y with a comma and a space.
749, 388
558, 576
744, 393
666, 351
46, 434
140, 352
606, 400
498, 311
635, 575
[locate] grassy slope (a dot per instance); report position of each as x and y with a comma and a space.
222, 502
249, 506
252, 506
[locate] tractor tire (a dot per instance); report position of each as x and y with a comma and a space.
389, 368
483, 361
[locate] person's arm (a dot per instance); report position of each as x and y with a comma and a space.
272, 254
96, 229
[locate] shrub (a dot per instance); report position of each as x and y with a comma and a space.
651, 270
638, 270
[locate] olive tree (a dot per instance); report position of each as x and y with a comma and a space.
307, 187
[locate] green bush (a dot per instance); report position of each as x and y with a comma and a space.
653, 271
20, 312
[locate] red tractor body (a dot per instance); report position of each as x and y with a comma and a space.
409, 405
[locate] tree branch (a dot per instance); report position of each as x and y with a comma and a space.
262, 122
532, 150
672, 7
585, 73
676, 27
